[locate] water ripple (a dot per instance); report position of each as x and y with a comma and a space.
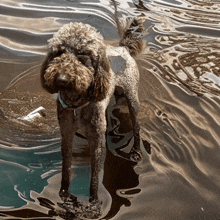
179, 113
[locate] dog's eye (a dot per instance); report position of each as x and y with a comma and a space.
85, 60
82, 58
88, 62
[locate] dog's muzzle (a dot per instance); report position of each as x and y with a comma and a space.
62, 80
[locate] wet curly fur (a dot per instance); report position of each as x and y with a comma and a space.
68, 49
80, 77
77, 67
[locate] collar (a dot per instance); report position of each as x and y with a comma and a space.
66, 107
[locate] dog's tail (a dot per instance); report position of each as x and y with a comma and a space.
132, 37
131, 32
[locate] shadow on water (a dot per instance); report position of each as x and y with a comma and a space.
119, 174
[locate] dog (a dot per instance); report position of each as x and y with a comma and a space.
82, 70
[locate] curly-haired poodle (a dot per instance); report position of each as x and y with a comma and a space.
86, 73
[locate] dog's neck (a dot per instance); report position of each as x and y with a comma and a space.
66, 107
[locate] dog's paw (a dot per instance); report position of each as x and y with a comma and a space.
69, 210
67, 197
93, 210
82, 211
136, 155
62, 213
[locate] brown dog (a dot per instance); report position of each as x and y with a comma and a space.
85, 73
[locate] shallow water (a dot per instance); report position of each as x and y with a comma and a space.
179, 177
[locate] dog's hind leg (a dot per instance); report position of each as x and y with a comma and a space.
67, 129
133, 105
97, 150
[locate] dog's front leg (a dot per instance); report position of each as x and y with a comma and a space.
68, 128
96, 144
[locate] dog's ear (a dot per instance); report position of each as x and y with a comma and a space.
44, 66
100, 86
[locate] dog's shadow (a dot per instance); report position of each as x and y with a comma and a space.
119, 177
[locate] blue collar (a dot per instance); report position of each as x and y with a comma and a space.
64, 105
62, 102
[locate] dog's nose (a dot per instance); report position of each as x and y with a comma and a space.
62, 80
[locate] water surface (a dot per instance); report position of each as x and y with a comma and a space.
179, 177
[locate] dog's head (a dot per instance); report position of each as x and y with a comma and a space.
83, 72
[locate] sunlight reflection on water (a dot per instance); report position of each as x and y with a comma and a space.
179, 115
